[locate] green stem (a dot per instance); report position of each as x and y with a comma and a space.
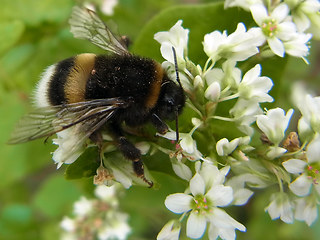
221, 118
233, 96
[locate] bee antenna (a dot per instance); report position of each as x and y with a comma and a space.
178, 80
177, 127
176, 65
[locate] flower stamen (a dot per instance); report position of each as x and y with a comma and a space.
269, 27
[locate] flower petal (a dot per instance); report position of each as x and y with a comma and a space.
170, 231
280, 12
306, 210
213, 92
241, 196
178, 202
187, 143
294, 165
221, 219
220, 195
276, 46
301, 186
259, 13
281, 207
182, 170
313, 150
197, 185
213, 232
196, 225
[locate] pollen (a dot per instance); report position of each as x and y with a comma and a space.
313, 173
201, 204
270, 27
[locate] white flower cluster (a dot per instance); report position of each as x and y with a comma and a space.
220, 168
284, 27
97, 218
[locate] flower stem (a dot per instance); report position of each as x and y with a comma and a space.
233, 96
221, 118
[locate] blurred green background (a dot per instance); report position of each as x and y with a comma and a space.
34, 196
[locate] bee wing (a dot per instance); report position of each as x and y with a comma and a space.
85, 24
47, 121
76, 137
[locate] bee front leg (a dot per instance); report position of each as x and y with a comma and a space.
129, 151
161, 127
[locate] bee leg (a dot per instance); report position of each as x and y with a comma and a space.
161, 127
129, 151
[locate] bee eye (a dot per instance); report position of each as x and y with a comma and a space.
170, 105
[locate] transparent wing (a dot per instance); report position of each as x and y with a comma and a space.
44, 122
72, 140
85, 24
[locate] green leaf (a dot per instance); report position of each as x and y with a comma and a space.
17, 214
18, 160
53, 196
10, 34
34, 12
85, 166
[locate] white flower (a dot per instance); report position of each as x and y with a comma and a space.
116, 227
297, 46
68, 224
310, 110
69, 236
71, 145
212, 93
121, 171
241, 195
176, 37
304, 12
182, 170
82, 207
198, 82
306, 209
224, 147
108, 6
274, 26
280, 207
244, 113
275, 152
208, 194
170, 231
104, 192
238, 46
107, 194
255, 87
188, 145
274, 124
228, 77
245, 4
309, 171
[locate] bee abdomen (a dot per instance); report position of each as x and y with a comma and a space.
65, 82
75, 86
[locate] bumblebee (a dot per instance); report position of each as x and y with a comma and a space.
88, 93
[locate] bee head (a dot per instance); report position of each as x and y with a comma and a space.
172, 98
171, 101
